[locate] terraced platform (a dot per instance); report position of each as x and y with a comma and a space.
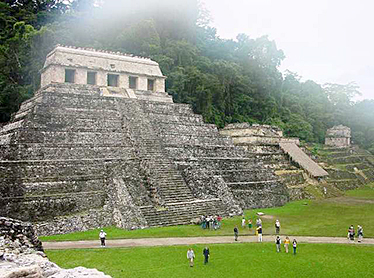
72, 159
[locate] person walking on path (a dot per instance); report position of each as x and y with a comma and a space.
360, 233
277, 227
243, 222
259, 233
206, 255
294, 245
102, 236
278, 244
190, 256
236, 233
286, 243
351, 233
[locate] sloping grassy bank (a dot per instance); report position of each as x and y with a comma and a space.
323, 217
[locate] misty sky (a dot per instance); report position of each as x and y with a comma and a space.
323, 40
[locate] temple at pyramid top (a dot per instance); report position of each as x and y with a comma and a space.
112, 70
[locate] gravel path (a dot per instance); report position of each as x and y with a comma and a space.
191, 240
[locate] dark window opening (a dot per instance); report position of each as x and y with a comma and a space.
69, 75
91, 78
132, 82
151, 84
113, 80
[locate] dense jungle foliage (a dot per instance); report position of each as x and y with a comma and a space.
226, 81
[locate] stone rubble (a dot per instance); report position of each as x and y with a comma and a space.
21, 255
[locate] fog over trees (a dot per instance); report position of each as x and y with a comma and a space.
226, 81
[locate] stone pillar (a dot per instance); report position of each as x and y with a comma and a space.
80, 76
53, 74
124, 81
101, 78
160, 85
142, 83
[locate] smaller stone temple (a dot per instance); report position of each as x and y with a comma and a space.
338, 136
247, 135
263, 138
116, 74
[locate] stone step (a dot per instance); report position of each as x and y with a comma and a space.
183, 212
49, 206
251, 185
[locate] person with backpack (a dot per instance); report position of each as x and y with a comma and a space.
294, 245
278, 244
236, 233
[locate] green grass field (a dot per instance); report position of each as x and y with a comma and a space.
322, 217
227, 260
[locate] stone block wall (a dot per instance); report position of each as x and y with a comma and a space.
20, 234
102, 63
338, 136
246, 134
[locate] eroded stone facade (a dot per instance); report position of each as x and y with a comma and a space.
119, 75
256, 135
338, 136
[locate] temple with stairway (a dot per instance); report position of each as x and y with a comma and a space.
101, 143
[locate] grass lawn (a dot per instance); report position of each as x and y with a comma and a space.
322, 217
363, 193
227, 260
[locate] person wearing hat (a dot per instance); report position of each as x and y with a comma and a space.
102, 236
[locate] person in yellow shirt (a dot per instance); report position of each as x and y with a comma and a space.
286, 243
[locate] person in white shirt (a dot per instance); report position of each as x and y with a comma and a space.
277, 227
102, 236
190, 256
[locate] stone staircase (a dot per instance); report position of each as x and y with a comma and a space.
200, 150
181, 212
176, 204
158, 168
303, 160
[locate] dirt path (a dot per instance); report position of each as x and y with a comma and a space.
190, 241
